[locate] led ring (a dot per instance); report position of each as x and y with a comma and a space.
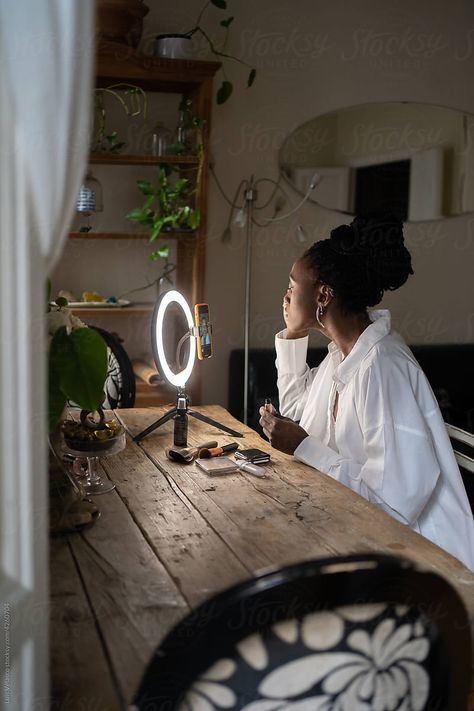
177, 379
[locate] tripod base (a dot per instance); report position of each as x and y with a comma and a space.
197, 415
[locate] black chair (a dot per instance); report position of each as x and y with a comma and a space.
120, 383
348, 634
447, 367
463, 446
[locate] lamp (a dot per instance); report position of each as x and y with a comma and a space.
180, 412
245, 218
89, 199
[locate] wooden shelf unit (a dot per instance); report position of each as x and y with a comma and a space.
153, 395
192, 79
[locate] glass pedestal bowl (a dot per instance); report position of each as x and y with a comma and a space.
87, 442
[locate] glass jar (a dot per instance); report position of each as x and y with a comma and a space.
161, 140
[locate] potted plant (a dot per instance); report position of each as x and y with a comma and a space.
77, 362
166, 209
164, 41
170, 201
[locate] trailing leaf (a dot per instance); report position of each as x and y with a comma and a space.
224, 92
145, 187
251, 77
227, 23
194, 219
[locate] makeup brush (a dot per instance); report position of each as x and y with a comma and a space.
208, 452
185, 455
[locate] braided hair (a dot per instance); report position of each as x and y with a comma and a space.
362, 260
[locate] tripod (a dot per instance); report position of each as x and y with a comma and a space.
197, 415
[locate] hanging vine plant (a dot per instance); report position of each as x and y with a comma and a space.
133, 101
226, 88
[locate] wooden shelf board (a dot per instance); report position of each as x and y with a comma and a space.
129, 235
138, 309
117, 63
141, 159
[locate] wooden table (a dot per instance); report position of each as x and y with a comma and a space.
169, 537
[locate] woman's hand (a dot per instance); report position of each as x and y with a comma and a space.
283, 433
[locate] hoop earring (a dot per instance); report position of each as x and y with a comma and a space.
319, 316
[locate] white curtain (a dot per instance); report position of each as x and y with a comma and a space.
46, 60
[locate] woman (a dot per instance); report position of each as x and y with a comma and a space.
367, 415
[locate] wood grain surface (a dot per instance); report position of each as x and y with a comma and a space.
170, 536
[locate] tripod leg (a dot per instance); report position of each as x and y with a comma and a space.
214, 423
167, 416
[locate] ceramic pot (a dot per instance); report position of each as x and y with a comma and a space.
178, 47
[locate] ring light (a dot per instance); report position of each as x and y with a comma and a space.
170, 297
180, 412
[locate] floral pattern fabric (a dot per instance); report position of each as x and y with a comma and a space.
354, 658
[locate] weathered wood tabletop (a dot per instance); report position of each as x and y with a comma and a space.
170, 536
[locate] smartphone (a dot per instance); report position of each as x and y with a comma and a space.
255, 456
204, 340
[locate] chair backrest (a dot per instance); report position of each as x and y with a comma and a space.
463, 446
120, 383
361, 632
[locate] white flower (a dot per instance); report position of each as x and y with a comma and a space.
59, 317
381, 670
386, 670
207, 691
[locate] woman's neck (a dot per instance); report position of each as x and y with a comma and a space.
345, 329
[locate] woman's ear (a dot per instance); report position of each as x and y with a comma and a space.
325, 295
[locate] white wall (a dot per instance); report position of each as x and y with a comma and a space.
313, 57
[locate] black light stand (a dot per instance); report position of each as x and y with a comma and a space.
171, 414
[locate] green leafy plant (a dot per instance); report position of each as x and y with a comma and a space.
133, 101
166, 205
170, 201
226, 88
77, 363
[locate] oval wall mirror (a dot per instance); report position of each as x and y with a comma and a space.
413, 160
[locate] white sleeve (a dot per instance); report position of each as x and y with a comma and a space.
401, 470
294, 375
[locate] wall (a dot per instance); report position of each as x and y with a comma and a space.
313, 57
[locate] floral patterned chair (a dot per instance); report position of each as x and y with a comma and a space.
360, 633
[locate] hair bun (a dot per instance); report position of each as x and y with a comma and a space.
367, 235
376, 241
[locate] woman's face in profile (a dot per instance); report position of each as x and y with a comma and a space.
300, 297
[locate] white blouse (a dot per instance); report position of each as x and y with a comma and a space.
389, 441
